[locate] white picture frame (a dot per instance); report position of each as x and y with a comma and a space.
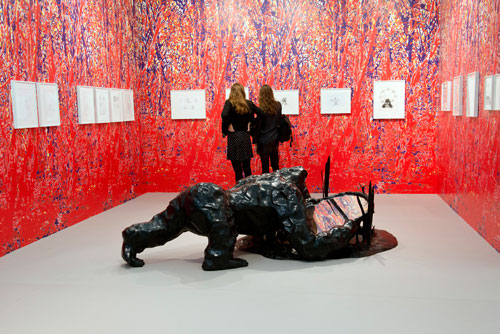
289, 99
128, 105
48, 104
496, 97
86, 104
188, 104
24, 104
335, 100
102, 105
389, 99
228, 91
446, 96
472, 94
116, 105
458, 95
489, 90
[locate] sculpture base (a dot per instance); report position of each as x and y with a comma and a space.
381, 241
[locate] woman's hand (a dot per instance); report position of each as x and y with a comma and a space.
230, 128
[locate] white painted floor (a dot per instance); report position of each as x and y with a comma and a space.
442, 278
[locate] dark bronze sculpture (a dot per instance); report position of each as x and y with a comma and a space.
275, 210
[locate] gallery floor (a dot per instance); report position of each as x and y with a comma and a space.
442, 278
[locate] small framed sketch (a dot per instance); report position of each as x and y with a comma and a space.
289, 100
188, 104
48, 104
389, 99
446, 96
128, 105
335, 100
86, 105
496, 97
472, 94
228, 90
102, 105
116, 104
24, 106
488, 92
457, 95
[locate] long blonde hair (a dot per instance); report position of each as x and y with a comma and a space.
237, 99
266, 100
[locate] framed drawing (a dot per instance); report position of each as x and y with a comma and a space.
102, 105
116, 104
228, 90
188, 104
496, 89
389, 99
488, 92
472, 94
289, 100
446, 96
24, 107
86, 105
335, 100
128, 105
457, 95
48, 104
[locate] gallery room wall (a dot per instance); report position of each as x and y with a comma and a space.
53, 177
469, 147
304, 45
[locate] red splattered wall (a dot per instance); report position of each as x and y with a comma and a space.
304, 45
469, 148
54, 177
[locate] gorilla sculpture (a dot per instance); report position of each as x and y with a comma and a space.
274, 208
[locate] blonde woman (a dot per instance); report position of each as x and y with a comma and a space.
268, 122
237, 117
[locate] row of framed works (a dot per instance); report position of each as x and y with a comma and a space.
36, 104
388, 101
451, 94
104, 105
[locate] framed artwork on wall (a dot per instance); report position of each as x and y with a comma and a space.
488, 92
188, 104
289, 100
86, 104
446, 96
24, 106
116, 104
457, 95
472, 94
48, 104
128, 105
102, 104
389, 99
496, 95
228, 90
335, 100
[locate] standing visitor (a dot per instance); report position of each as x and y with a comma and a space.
237, 117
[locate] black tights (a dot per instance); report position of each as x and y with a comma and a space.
241, 166
264, 158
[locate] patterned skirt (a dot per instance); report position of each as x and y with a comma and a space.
239, 146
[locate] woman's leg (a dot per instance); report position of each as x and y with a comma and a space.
246, 167
238, 172
275, 160
264, 158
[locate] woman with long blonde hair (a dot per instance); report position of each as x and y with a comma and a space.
268, 122
237, 117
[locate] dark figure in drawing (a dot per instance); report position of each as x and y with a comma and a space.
387, 104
